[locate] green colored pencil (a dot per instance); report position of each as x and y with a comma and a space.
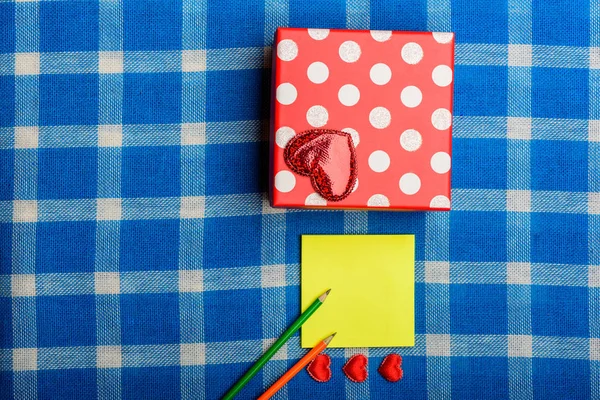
276, 346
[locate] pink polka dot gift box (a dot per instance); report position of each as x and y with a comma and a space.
361, 119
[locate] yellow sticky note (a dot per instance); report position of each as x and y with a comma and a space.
372, 283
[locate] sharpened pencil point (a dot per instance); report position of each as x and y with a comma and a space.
329, 338
324, 295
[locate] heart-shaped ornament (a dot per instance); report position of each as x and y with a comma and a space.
319, 368
328, 157
391, 368
356, 368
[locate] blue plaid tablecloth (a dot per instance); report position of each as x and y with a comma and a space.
139, 258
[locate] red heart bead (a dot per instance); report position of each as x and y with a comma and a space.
390, 368
328, 157
356, 368
319, 368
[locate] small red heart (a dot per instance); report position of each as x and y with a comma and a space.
319, 369
390, 368
328, 157
356, 368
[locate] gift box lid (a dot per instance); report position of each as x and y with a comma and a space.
361, 119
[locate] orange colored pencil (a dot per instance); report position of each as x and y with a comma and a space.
285, 378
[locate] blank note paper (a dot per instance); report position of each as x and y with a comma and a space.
371, 277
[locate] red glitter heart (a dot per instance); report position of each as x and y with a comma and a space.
390, 368
356, 368
328, 157
319, 369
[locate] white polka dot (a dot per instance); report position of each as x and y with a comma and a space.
380, 117
443, 37
412, 53
441, 119
355, 186
287, 50
442, 75
350, 51
440, 202
378, 200
380, 74
410, 140
379, 161
411, 96
317, 116
315, 199
410, 183
317, 72
381, 36
283, 136
286, 93
285, 181
354, 134
318, 34
440, 162
348, 95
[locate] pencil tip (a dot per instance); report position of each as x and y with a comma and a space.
324, 296
329, 338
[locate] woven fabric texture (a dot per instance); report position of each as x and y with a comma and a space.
139, 258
